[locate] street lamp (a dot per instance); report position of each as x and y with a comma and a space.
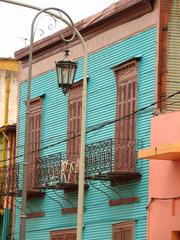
66, 70
81, 179
70, 23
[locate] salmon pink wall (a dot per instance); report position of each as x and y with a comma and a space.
164, 180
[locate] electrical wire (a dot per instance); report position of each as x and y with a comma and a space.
49, 138
100, 126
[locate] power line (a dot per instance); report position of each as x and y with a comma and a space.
48, 139
100, 126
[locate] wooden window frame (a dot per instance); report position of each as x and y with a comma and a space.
74, 95
127, 81
55, 233
123, 225
35, 108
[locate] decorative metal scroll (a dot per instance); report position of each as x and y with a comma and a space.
99, 157
54, 17
110, 156
9, 179
52, 25
50, 169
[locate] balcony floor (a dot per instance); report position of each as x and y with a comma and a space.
67, 187
117, 176
161, 152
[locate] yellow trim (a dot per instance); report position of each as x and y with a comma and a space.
7, 101
9, 65
161, 152
1, 211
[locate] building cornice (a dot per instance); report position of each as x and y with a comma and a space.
116, 14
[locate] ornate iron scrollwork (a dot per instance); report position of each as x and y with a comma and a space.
9, 175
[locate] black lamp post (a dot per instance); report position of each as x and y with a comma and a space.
66, 70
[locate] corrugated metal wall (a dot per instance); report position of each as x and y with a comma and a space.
99, 216
173, 57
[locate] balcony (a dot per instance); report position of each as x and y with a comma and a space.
113, 160
9, 179
165, 138
109, 159
105, 160
55, 172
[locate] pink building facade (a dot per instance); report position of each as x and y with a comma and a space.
164, 151
164, 177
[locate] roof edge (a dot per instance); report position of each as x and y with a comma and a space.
83, 26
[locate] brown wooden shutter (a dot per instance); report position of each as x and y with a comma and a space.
74, 123
63, 235
125, 144
127, 233
117, 235
123, 231
35, 125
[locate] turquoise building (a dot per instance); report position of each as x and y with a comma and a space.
122, 49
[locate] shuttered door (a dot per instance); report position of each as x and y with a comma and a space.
74, 123
70, 236
117, 235
123, 231
75, 106
127, 233
35, 125
125, 144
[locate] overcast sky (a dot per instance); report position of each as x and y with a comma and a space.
15, 21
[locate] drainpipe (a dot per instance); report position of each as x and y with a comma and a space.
4, 143
12, 200
6, 216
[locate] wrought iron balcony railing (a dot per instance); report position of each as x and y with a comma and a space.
112, 159
106, 159
9, 179
55, 171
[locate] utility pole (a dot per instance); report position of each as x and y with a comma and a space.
70, 23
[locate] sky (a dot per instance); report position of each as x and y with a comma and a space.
15, 21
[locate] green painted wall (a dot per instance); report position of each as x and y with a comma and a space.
1, 222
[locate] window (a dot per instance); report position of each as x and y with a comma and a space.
35, 125
123, 231
63, 235
125, 136
175, 235
74, 122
